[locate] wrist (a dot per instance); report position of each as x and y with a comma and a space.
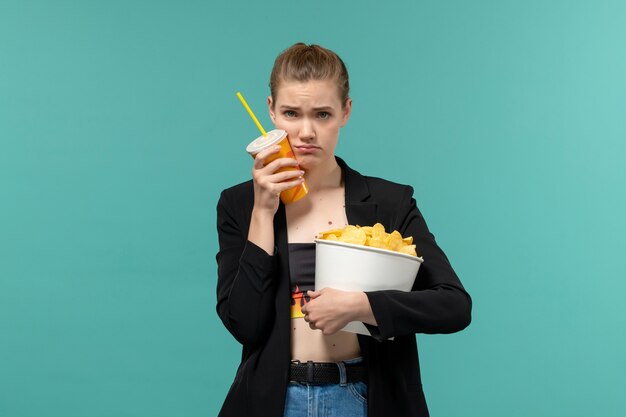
361, 307
262, 214
261, 231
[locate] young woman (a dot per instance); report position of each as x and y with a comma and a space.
295, 361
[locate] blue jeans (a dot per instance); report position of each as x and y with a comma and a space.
327, 400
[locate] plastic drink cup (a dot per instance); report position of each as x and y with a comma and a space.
279, 137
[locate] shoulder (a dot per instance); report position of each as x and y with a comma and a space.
375, 188
241, 190
382, 188
240, 195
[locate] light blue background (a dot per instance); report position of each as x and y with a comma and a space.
119, 126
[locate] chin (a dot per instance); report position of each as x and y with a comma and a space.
305, 165
309, 162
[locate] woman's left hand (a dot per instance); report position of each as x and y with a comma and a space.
329, 309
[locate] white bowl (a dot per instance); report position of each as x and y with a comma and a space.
350, 267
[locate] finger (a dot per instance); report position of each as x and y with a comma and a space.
280, 187
288, 175
279, 163
267, 184
285, 168
329, 331
306, 318
261, 156
314, 294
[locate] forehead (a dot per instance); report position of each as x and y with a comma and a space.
311, 92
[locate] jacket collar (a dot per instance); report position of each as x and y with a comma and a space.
355, 183
358, 209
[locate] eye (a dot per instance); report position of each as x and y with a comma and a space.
323, 115
289, 114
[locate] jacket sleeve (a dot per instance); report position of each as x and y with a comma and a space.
246, 277
437, 303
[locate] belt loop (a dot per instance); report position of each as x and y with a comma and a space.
309, 372
343, 380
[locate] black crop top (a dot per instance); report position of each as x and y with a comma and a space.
301, 275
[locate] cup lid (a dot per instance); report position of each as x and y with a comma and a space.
263, 142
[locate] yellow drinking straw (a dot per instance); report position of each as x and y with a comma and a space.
251, 114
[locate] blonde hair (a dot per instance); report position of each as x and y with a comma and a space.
301, 62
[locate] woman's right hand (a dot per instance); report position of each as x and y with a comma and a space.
268, 183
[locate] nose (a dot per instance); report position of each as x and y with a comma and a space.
307, 133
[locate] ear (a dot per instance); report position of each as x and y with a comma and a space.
346, 112
270, 107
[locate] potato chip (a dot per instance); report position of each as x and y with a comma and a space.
394, 240
409, 250
372, 236
367, 230
375, 243
378, 231
353, 235
336, 232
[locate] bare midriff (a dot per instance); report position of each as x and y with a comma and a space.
312, 345
321, 210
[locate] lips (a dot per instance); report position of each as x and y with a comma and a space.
306, 148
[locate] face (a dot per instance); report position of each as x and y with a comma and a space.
312, 113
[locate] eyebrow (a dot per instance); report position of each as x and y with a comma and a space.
322, 108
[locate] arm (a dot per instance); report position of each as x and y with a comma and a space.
438, 303
246, 279
247, 267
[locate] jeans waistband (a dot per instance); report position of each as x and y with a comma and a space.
328, 372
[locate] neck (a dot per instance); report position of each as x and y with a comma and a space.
324, 176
